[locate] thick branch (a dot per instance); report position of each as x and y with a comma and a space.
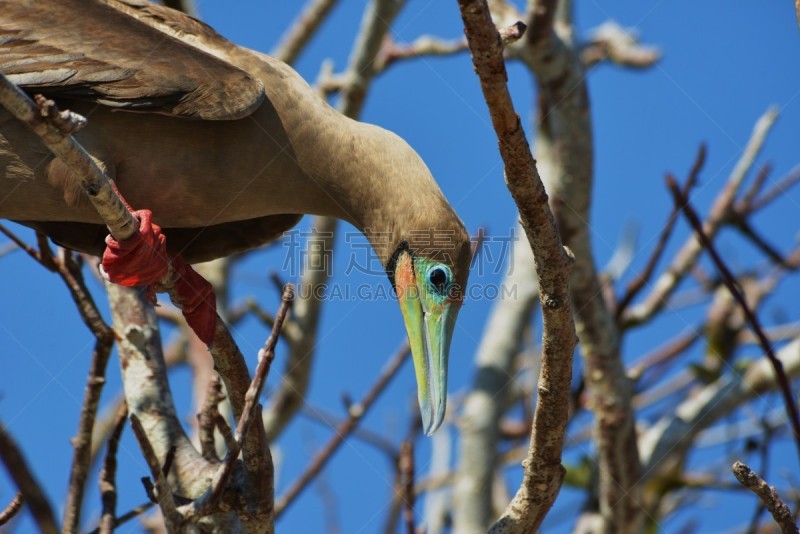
543, 472
208, 502
148, 394
490, 395
564, 149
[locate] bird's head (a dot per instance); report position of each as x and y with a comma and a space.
393, 198
429, 271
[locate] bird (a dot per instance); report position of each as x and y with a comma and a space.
228, 148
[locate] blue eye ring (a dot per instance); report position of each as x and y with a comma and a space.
439, 278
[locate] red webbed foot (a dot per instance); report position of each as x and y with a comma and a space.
142, 260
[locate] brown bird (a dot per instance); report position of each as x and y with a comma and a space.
228, 147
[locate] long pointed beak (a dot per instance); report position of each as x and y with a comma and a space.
430, 327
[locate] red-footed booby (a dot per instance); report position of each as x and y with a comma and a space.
227, 148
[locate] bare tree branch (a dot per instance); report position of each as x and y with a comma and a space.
612, 42
207, 419
163, 493
769, 497
355, 413
564, 150
543, 472
302, 30
491, 394
13, 508
108, 485
733, 286
31, 490
667, 441
638, 283
251, 411
406, 463
70, 273
327, 419
425, 45
82, 442
779, 189
687, 257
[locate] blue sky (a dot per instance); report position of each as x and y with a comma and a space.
724, 64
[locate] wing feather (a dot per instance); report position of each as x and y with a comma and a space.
127, 54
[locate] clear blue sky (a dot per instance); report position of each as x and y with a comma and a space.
724, 64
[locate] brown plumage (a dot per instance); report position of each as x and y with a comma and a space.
227, 147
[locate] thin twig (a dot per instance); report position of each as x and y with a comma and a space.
207, 419
425, 45
31, 490
772, 501
657, 357
32, 252
355, 414
745, 203
12, 509
777, 190
750, 316
172, 518
127, 516
108, 485
686, 259
326, 418
104, 335
70, 273
407, 475
638, 283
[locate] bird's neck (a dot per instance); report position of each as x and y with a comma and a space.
353, 171
375, 181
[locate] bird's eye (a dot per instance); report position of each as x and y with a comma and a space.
439, 277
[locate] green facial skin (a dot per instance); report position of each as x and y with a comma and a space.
429, 310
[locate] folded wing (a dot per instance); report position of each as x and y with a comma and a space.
127, 54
